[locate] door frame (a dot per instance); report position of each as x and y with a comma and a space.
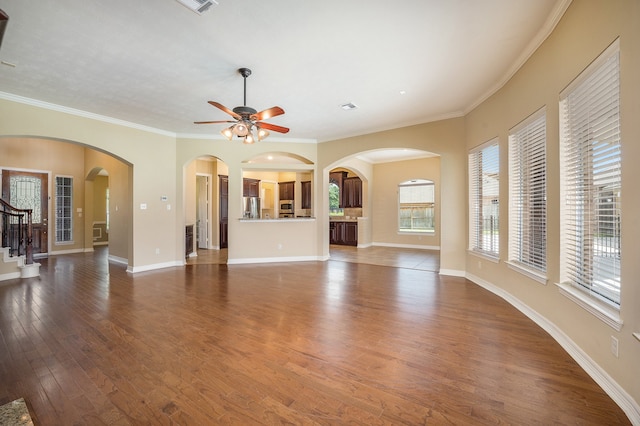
208, 233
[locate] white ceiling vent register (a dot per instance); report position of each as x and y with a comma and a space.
198, 6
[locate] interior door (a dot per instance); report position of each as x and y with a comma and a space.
202, 211
25, 190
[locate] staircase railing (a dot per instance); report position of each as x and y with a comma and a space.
17, 231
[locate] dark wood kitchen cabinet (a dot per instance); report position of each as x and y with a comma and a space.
188, 240
250, 187
286, 189
343, 233
224, 211
333, 237
305, 188
351, 192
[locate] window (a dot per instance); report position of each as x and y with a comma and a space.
528, 194
484, 201
591, 180
64, 207
416, 206
334, 200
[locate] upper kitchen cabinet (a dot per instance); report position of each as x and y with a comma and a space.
351, 192
305, 188
250, 187
286, 190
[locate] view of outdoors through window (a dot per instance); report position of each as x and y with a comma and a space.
416, 206
334, 200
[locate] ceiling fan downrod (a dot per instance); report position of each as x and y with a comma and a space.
245, 72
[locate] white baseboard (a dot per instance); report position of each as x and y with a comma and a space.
452, 272
9, 276
154, 266
120, 260
411, 246
599, 375
274, 260
70, 251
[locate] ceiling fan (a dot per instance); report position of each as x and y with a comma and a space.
247, 118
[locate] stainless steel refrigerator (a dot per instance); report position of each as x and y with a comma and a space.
251, 207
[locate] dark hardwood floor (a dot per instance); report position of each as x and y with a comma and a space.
301, 343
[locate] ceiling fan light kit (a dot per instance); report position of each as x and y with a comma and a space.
247, 118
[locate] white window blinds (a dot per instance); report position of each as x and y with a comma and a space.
591, 179
484, 199
528, 193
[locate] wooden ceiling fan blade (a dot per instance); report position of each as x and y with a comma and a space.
267, 113
225, 109
272, 127
212, 122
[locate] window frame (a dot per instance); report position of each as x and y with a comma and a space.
432, 207
478, 193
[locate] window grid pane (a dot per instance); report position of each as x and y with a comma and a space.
528, 194
591, 175
64, 209
416, 206
484, 199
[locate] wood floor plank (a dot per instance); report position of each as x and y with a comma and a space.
369, 337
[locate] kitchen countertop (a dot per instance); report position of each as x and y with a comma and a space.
343, 219
280, 219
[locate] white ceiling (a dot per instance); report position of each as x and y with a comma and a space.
156, 63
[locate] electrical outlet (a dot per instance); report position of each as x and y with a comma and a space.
157, 251
614, 346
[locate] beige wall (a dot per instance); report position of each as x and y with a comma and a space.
385, 200
99, 214
586, 29
100, 186
120, 209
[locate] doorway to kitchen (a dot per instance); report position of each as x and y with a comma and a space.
203, 211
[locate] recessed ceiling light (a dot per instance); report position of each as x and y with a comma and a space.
348, 106
402, 92
198, 6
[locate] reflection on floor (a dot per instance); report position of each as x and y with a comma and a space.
209, 257
423, 260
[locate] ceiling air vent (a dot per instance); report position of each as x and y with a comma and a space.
198, 6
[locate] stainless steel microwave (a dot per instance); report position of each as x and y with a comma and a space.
286, 206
